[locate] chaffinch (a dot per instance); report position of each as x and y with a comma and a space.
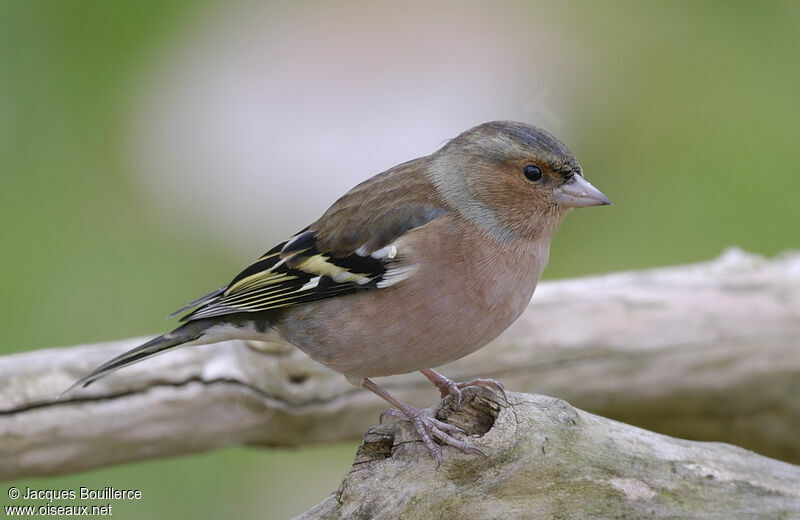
416, 267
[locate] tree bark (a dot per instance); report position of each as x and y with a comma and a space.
546, 459
707, 351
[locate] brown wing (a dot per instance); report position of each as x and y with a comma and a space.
380, 209
349, 249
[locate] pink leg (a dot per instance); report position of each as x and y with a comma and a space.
447, 386
428, 428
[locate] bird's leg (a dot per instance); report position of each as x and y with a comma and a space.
449, 387
428, 428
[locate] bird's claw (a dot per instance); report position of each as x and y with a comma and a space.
449, 387
429, 428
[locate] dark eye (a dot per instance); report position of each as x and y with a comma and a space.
532, 172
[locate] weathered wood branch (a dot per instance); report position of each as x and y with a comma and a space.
546, 459
707, 351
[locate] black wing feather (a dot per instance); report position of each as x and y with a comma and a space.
300, 270
292, 275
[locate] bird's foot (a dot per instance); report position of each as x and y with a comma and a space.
449, 387
429, 428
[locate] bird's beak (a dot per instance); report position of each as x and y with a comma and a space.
578, 193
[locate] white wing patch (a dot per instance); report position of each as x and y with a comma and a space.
396, 275
311, 284
389, 252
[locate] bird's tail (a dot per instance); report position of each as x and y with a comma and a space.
184, 334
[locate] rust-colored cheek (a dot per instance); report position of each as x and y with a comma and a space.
516, 203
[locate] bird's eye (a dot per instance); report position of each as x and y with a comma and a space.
532, 172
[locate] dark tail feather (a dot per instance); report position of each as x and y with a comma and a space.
183, 334
200, 301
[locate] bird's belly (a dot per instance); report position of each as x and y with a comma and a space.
366, 335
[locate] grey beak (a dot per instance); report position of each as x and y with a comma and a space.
578, 193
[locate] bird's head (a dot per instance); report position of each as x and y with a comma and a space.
512, 179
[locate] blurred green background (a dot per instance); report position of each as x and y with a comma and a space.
119, 159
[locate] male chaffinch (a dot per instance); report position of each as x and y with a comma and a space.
411, 269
